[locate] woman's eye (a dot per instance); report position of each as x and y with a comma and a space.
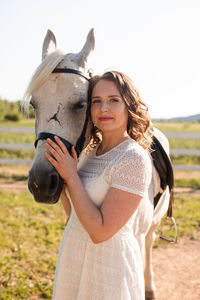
114, 100
95, 101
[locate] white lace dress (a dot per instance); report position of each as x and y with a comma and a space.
111, 270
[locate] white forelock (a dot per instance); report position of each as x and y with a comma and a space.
41, 74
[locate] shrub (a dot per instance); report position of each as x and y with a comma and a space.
12, 117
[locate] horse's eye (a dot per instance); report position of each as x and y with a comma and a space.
32, 104
79, 105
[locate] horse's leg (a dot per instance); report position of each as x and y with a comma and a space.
159, 212
148, 272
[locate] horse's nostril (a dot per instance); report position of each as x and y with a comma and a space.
54, 181
45, 185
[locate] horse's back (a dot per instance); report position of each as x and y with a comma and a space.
162, 139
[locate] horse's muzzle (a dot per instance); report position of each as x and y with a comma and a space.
45, 184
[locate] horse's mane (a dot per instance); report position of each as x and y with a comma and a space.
40, 75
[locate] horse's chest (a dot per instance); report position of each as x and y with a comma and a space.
144, 213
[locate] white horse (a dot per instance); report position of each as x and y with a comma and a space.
58, 93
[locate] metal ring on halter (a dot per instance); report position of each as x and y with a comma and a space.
167, 238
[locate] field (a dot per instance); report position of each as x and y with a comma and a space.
30, 236
28, 138
30, 233
178, 126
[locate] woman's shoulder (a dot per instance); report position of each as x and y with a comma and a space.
130, 155
133, 150
133, 165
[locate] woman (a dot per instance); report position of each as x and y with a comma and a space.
99, 257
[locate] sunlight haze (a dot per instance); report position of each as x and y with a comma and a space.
155, 42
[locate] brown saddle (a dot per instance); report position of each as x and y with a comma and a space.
163, 165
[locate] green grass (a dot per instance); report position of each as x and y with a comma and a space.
187, 179
21, 123
18, 154
186, 211
14, 173
17, 138
185, 160
30, 236
191, 183
184, 143
13, 177
178, 126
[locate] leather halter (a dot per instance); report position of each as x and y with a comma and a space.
72, 71
81, 140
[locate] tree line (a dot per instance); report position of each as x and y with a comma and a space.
11, 111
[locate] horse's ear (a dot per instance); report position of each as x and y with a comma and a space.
49, 44
87, 48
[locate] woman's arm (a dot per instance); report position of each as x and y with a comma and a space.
101, 223
65, 201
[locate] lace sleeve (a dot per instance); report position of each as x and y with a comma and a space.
132, 174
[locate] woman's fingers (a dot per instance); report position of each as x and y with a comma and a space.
54, 152
61, 144
64, 163
74, 154
51, 160
56, 146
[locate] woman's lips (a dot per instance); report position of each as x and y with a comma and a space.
105, 118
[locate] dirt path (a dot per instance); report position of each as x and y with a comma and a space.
177, 270
176, 266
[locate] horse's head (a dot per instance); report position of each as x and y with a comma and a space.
60, 103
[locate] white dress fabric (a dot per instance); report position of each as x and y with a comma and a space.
111, 270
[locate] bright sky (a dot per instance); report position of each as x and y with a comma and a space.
155, 42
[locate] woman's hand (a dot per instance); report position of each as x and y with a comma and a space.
63, 162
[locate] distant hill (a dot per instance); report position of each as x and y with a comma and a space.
193, 118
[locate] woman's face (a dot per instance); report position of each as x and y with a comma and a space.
108, 109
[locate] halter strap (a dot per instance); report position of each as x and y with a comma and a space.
47, 135
63, 70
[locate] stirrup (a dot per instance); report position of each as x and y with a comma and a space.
168, 238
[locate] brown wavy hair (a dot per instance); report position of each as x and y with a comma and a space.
139, 125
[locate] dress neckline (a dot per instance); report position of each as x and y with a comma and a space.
101, 155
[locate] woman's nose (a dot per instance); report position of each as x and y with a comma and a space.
104, 106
